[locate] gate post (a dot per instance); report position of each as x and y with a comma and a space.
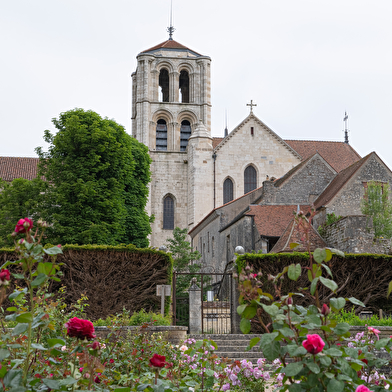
235, 317
194, 308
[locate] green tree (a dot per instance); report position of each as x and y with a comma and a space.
184, 258
377, 205
20, 198
91, 173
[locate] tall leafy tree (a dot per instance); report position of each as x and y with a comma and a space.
20, 198
90, 170
377, 205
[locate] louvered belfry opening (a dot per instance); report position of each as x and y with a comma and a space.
185, 134
161, 135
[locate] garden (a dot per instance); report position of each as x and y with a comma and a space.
47, 345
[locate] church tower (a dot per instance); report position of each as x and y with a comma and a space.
171, 99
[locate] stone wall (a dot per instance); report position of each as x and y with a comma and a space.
354, 234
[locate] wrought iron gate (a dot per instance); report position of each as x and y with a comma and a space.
216, 301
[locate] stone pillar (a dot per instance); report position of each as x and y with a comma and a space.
194, 308
235, 294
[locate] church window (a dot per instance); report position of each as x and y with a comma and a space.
161, 135
164, 85
184, 87
185, 133
227, 191
250, 179
252, 131
168, 213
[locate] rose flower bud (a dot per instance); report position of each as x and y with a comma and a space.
24, 225
325, 311
5, 277
289, 301
313, 344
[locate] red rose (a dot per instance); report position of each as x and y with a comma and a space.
95, 345
81, 329
325, 311
23, 225
4, 276
314, 344
158, 360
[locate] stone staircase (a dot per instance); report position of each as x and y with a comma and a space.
233, 346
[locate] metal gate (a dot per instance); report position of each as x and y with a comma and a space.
216, 300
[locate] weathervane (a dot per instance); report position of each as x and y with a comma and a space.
171, 29
251, 104
345, 127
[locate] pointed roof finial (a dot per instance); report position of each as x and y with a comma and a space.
226, 130
345, 127
251, 104
171, 29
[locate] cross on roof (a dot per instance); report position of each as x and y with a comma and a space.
251, 104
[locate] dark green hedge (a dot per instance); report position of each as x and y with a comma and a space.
112, 277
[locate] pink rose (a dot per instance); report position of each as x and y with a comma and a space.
375, 331
313, 344
23, 225
362, 388
158, 360
81, 329
4, 277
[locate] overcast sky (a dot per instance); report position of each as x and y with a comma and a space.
304, 62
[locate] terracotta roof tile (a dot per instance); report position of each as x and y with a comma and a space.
337, 183
18, 167
216, 141
291, 234
271, 221
338, 154
170, 44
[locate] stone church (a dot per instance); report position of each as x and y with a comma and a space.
192, 172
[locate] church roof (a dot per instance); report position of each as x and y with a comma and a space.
170, 44
338, 154
291, 235
272, 220
18, 167
338, 182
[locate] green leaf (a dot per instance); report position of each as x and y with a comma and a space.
319, 255
271, 351
267, 338
338, 303
45, 268
356, 302
293, 245
295, 388
53, 251
294, 271
325, 361
335, 386
333, 352
337, 252
38, 346
313, 367
273, 310
16, 293
50, 383
292, 369
341, 328
253, 342
249, 312
287, 332
389, 289
313, 286
55, 342
19, 329
382, 343
125, 389
70, 380
241, 308
38, 280
245, 326
329, 254
11, 309
327, 269
4, 353
24, 318
329, 283
18, 276
13, 378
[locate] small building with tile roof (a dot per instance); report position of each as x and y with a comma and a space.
18, 167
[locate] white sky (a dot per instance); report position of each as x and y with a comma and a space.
304, 62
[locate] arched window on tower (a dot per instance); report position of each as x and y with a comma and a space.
168, 213
164, 85
250, 179
184, 87
185, 133
227, 191
161, 135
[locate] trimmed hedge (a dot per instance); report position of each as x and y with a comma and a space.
112, 277
363, 276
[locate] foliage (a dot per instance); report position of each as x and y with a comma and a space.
350, 317
94, 195
310, 362
376, 205
184, 258
18, 198
136, 319
331, 218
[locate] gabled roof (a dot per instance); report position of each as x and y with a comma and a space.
272, 220
338, 182
338, 154
18, 167
291, 235
269, 130
170, 44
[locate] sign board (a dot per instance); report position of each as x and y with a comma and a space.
166, 288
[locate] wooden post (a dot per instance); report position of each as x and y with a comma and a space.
380, 313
